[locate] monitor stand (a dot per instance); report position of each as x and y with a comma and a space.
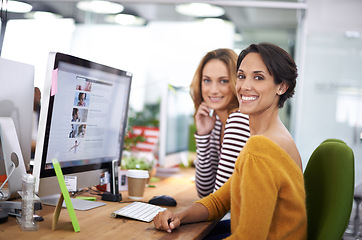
78, 204
11, 157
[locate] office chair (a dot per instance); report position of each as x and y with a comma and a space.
329, 185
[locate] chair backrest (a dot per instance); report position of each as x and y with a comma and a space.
329, 184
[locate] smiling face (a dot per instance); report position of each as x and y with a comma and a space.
215, 85
255, 86
81, 98
75, 114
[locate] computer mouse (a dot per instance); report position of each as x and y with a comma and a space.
163, 200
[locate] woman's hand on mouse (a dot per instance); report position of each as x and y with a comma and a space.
204, 123
166, 221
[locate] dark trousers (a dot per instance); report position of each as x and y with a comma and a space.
221, 231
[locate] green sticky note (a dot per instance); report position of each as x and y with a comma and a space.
86, 198
63, 188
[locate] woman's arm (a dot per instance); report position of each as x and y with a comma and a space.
210, 208
167, 221
207, 138
236, 134
207, 150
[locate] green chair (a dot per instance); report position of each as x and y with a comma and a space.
329, 185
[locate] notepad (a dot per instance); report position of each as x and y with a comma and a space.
140, 211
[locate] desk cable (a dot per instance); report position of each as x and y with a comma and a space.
106, 196
1, 187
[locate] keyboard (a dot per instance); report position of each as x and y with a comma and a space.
140, 211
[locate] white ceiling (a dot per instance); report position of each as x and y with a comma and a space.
275, 22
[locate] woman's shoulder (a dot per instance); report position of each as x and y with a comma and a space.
288, 145
237, 123
257, 142
261, 145
238, 114
238, 117
274, 145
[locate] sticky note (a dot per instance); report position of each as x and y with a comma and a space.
86, 198
54, 87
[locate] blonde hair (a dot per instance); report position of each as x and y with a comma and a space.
227, 56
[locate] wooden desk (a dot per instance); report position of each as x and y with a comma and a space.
98, 224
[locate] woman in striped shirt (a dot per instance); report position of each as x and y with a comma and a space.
221, 130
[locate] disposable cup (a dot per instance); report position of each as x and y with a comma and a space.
137, 180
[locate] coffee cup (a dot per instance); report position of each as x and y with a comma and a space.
137, 180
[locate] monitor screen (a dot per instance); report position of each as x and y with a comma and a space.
175, 121
82, 120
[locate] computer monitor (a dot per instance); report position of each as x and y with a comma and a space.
82, 121
16, 114
175, 119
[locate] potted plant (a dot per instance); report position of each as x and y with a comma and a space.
133, 158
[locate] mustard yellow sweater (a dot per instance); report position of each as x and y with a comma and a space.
265, 195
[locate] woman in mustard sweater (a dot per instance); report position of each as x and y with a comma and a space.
265, 195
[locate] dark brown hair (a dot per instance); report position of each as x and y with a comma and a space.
279, 63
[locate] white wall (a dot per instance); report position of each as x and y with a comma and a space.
334, 16
159, 54
331, 71
30, 41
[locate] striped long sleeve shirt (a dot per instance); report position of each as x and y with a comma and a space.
214, 165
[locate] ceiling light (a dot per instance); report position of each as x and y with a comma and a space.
126, 20
102, 7
42, 15
200, 10
18, 7
213, 20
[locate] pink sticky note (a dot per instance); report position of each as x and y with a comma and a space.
53, 89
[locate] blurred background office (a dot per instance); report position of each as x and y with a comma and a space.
161, 43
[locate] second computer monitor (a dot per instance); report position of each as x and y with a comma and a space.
82, 120
16, 111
